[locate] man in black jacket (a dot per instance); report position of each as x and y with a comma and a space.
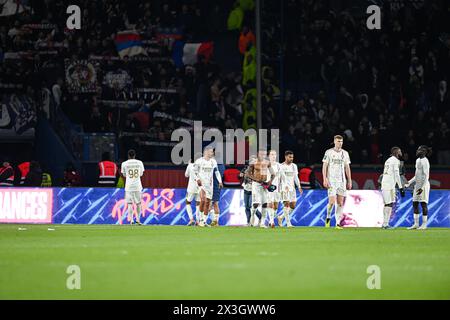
247, 185
34, 177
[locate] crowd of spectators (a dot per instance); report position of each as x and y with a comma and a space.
378, 88
36, 47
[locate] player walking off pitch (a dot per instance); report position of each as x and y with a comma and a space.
289, 179
204, 169
421, 188
193, 193
132, 170
337, 178
274, 197
391, 177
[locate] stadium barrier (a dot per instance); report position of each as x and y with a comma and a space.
363, 208
168, 175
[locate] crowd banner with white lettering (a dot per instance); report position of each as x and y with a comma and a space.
11, 86
157, 143
156, 90
158, 114
131, 59
363, 208
118, 79
125, 104
81, 76
39, 26
28, 55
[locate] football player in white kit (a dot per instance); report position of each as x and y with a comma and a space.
289, 179
337, 178
391, 177
132, 170
192, 193
421, 188
204, 170
274, 197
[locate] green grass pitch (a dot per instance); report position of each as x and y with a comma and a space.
173, 262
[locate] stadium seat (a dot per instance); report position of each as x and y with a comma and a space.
231, 177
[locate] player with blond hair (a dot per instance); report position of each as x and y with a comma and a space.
337, 179
274, 197
204, 169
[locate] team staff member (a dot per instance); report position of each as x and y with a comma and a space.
34, 176
247, 185
6, 175
307, 177
108, 172
24, 168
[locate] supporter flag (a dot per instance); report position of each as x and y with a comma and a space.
188, 53
129, 43
12, 7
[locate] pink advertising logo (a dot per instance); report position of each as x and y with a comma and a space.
159, 203
26, 205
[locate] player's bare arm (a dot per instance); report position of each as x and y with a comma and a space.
249, 172
197, 179
348, 174
297, 183
219, 178
325, 174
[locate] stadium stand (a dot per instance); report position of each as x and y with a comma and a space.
376, 87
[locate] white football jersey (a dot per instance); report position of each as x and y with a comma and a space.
276, 167
204, 170
336, 164
391, 174
189, 173
132, 170
289, 176
422, 175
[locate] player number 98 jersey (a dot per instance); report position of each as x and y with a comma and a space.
132, 170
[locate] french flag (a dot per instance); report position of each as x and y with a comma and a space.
129, 43
187, 53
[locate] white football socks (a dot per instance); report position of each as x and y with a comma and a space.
197, 212
386, 215
252, 215
263, 216
138, 211
329, 209
271, 215
189, 211
287, 211
130, 212
338, 214
416, 219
